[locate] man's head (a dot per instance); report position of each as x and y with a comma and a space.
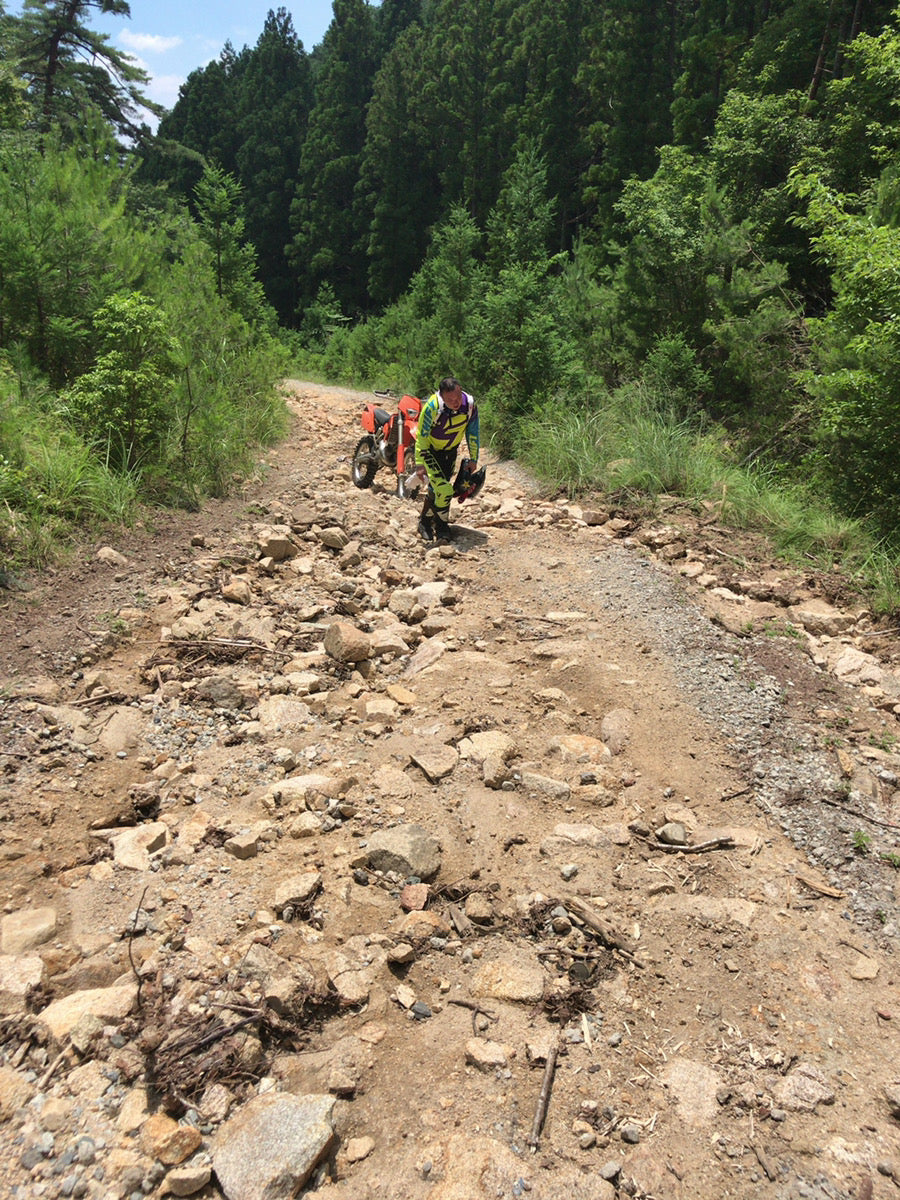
451, 393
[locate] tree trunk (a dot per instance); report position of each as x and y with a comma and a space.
820, 61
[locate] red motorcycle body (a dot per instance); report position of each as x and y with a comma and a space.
390, 442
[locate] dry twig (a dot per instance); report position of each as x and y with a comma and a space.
543, 1102
717, 843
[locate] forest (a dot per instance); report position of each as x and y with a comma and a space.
657, 239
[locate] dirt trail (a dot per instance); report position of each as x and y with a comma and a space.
660, 770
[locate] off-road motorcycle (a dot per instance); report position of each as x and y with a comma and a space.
390, 441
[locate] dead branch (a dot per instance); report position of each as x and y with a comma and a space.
51, 1070
855, 812
771, 1172
717, 843
137, 913
476, 1010
822, 888
543, 1101
100, 698
734, 795
611, 936
192, 1044
460, 921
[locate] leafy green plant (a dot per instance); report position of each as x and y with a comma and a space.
892, 859
861, 842
122, 403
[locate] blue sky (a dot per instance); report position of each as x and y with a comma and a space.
169, 38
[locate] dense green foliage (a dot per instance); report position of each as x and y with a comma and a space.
138, 355
688, 207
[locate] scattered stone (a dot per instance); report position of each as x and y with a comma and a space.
222, 691
421, 925
243, 845
414, 897
436, 760
486, 1056
275, 542
347, 644
30, 927
15, 1091
467, 1160
168, 1140
237, 591
695, 1089
579, 748
186, 1181
132, 848
359, 1148
486, 744
616, 729
401, 954
673, 833
803, 1089
892, 1095
509, 980
479, 908
297, 891
271, 1146
334, 538
544, 787
407, 850
108, 1004
18, 974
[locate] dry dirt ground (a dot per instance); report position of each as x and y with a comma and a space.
658, 953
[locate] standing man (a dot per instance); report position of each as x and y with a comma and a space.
446, 417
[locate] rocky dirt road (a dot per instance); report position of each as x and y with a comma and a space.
560, 862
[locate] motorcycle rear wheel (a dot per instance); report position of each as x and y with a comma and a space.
365, 462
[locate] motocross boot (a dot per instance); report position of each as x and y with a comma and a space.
442, 531
426, 530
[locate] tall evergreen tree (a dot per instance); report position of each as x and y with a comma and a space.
222, 227
716, 35
632, 64
69, 67
274, 98
557, 107
392, 17
330, 226
202, 127
399, 178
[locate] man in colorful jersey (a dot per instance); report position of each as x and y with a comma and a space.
445, 418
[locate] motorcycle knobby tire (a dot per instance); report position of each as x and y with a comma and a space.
364, 463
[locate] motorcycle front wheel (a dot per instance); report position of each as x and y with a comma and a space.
365, 462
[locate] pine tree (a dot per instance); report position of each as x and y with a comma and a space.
70, 68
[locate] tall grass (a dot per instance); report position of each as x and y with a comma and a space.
627, 443
51, 483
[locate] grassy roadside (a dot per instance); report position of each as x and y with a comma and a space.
53, 489
635, 449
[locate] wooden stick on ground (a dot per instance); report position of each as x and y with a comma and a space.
717, 843
540, 1113
611, 936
